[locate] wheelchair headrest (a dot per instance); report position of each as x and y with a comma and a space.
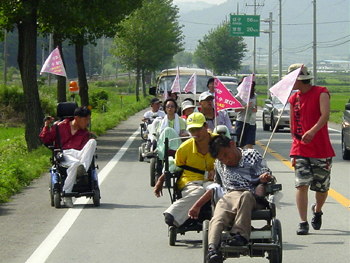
66, 109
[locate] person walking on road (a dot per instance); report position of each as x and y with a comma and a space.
247, 120
311, 150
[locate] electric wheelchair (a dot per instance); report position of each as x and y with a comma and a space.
265, 241
150, 135
171, 177
86, 185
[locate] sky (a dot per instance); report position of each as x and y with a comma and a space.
207, 1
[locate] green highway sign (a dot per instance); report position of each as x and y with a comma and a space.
245, 25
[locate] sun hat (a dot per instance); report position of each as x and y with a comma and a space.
195, 120
303, 73
155, 100
187, 104
205, 96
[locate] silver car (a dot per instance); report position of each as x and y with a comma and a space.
345, 131
271, 111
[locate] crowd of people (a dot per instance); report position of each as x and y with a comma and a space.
206, 157
241, 169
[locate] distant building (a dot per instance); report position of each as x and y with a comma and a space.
333, 65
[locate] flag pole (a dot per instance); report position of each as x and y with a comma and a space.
274, 130
245, 118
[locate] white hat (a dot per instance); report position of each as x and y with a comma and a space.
205, 96
187, 104
303, 73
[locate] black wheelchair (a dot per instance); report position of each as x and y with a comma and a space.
86, 185
265, 241
205, 213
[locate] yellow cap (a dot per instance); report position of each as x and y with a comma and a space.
195, 120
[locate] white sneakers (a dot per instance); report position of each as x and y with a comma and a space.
68, 202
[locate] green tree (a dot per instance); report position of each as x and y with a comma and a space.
23, 15
83, 22
183, 59
79, 21
149, 38
220, 51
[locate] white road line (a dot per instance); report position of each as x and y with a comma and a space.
52, 240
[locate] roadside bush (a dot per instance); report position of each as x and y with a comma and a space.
99, 100
102, 84
12, 96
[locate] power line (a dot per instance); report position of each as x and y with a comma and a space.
300, 24
335, 45
333, 40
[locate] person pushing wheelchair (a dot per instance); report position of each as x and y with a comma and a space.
77, 143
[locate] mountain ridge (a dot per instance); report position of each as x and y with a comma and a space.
297, 29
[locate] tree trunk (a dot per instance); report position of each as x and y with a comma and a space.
143, 83
61, 81
83, 85
27, 41
138, 73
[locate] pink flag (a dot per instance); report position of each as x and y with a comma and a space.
223, 98
245, 87
176, 84
165, 93
283, 88
53, 64
191, 85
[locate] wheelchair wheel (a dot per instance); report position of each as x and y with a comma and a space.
96, 198
172, 235
140, 154
275, 256
57, 200
152, 171
205, 239
51, 191
143, 131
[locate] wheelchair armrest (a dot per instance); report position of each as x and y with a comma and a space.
272, 188
51, 147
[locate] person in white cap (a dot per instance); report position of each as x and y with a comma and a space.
311, 150
187, 108
154, 111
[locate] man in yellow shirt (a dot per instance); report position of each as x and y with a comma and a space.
193, 156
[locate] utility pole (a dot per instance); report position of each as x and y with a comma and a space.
269, 83
269, 31
314, 66
254, 44
280, 44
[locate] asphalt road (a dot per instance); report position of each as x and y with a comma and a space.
129, 226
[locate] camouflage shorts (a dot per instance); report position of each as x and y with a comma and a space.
313, 172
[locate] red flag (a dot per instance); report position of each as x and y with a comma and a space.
245, 87
283, 88
176, 84
223, 98
53, 64
191, 85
